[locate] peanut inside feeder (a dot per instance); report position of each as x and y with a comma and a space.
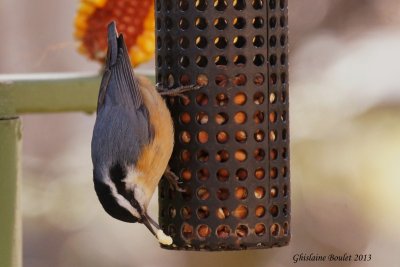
232, 136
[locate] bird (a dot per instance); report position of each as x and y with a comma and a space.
133, 139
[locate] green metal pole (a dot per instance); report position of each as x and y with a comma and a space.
54, 92
10, 216
45, 93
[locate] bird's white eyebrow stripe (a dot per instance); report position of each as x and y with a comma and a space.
123, 202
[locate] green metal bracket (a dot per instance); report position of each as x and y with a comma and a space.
21, 94
31, 93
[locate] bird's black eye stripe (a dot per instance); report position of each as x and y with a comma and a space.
117, 175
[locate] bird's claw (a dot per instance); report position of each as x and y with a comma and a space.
179, 91
173, 180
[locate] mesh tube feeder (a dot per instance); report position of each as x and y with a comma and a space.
231, 136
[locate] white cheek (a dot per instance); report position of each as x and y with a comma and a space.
131, 179
140, 196
132, 184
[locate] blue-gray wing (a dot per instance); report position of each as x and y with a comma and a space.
119, 136
118, 82
122, 125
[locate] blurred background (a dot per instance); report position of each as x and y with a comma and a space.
345, 143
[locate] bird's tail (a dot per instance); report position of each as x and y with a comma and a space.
119, 80
112, 52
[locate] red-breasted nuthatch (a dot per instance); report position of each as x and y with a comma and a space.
132, 139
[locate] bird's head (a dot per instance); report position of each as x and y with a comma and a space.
121, 201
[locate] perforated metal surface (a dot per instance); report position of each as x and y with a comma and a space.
232, 136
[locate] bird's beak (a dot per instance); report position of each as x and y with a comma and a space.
161, 237
148, 221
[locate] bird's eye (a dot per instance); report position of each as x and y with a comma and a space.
117, 172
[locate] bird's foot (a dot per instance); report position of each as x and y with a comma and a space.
173, 180
179, 91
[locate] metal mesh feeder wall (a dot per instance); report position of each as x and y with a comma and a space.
231, 136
